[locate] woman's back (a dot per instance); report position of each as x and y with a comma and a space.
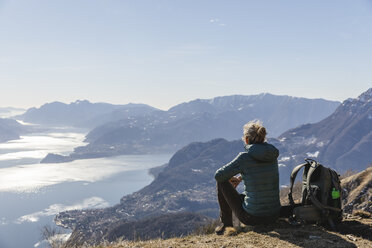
261, 180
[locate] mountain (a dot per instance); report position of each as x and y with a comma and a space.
82, 113
186, 184
164, 226
10, 111
357, 192
205, 119
10, 130
199, 120
342, 141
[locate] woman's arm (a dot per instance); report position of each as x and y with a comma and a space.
231, 169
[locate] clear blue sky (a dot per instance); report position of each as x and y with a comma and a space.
168, 51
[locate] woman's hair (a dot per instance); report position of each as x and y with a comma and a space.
255, 132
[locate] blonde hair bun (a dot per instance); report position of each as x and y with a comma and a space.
255, 132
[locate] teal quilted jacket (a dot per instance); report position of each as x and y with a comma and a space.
259, 169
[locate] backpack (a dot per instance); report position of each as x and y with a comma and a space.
321, 195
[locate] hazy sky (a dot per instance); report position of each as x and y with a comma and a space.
168, 51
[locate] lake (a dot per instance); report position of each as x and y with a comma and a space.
31, 194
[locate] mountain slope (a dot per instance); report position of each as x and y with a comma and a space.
185, 185
10, 129
357, 192
343, 140
277, 112
111, 227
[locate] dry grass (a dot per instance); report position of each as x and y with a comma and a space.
279, 235
363, 214
357, 182
296, 193
208, 228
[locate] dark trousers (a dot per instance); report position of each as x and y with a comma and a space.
231, 201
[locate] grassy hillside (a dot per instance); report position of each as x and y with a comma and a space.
354, 232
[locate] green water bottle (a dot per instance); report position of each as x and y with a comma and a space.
335, 193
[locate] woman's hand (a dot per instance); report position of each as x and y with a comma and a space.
235, 181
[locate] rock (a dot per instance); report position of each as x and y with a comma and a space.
351, 237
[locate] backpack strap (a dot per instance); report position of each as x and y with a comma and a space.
292, 179
335, 179
312, 197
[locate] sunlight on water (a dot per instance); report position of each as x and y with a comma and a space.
31, 194
31, 178
34, 142
25, 154
38, 146
52, 210
26, 123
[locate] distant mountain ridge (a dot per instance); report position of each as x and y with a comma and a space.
10, 129
199, 120
277, 112
82, 113
8, 112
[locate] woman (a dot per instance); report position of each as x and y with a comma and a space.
258, 167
